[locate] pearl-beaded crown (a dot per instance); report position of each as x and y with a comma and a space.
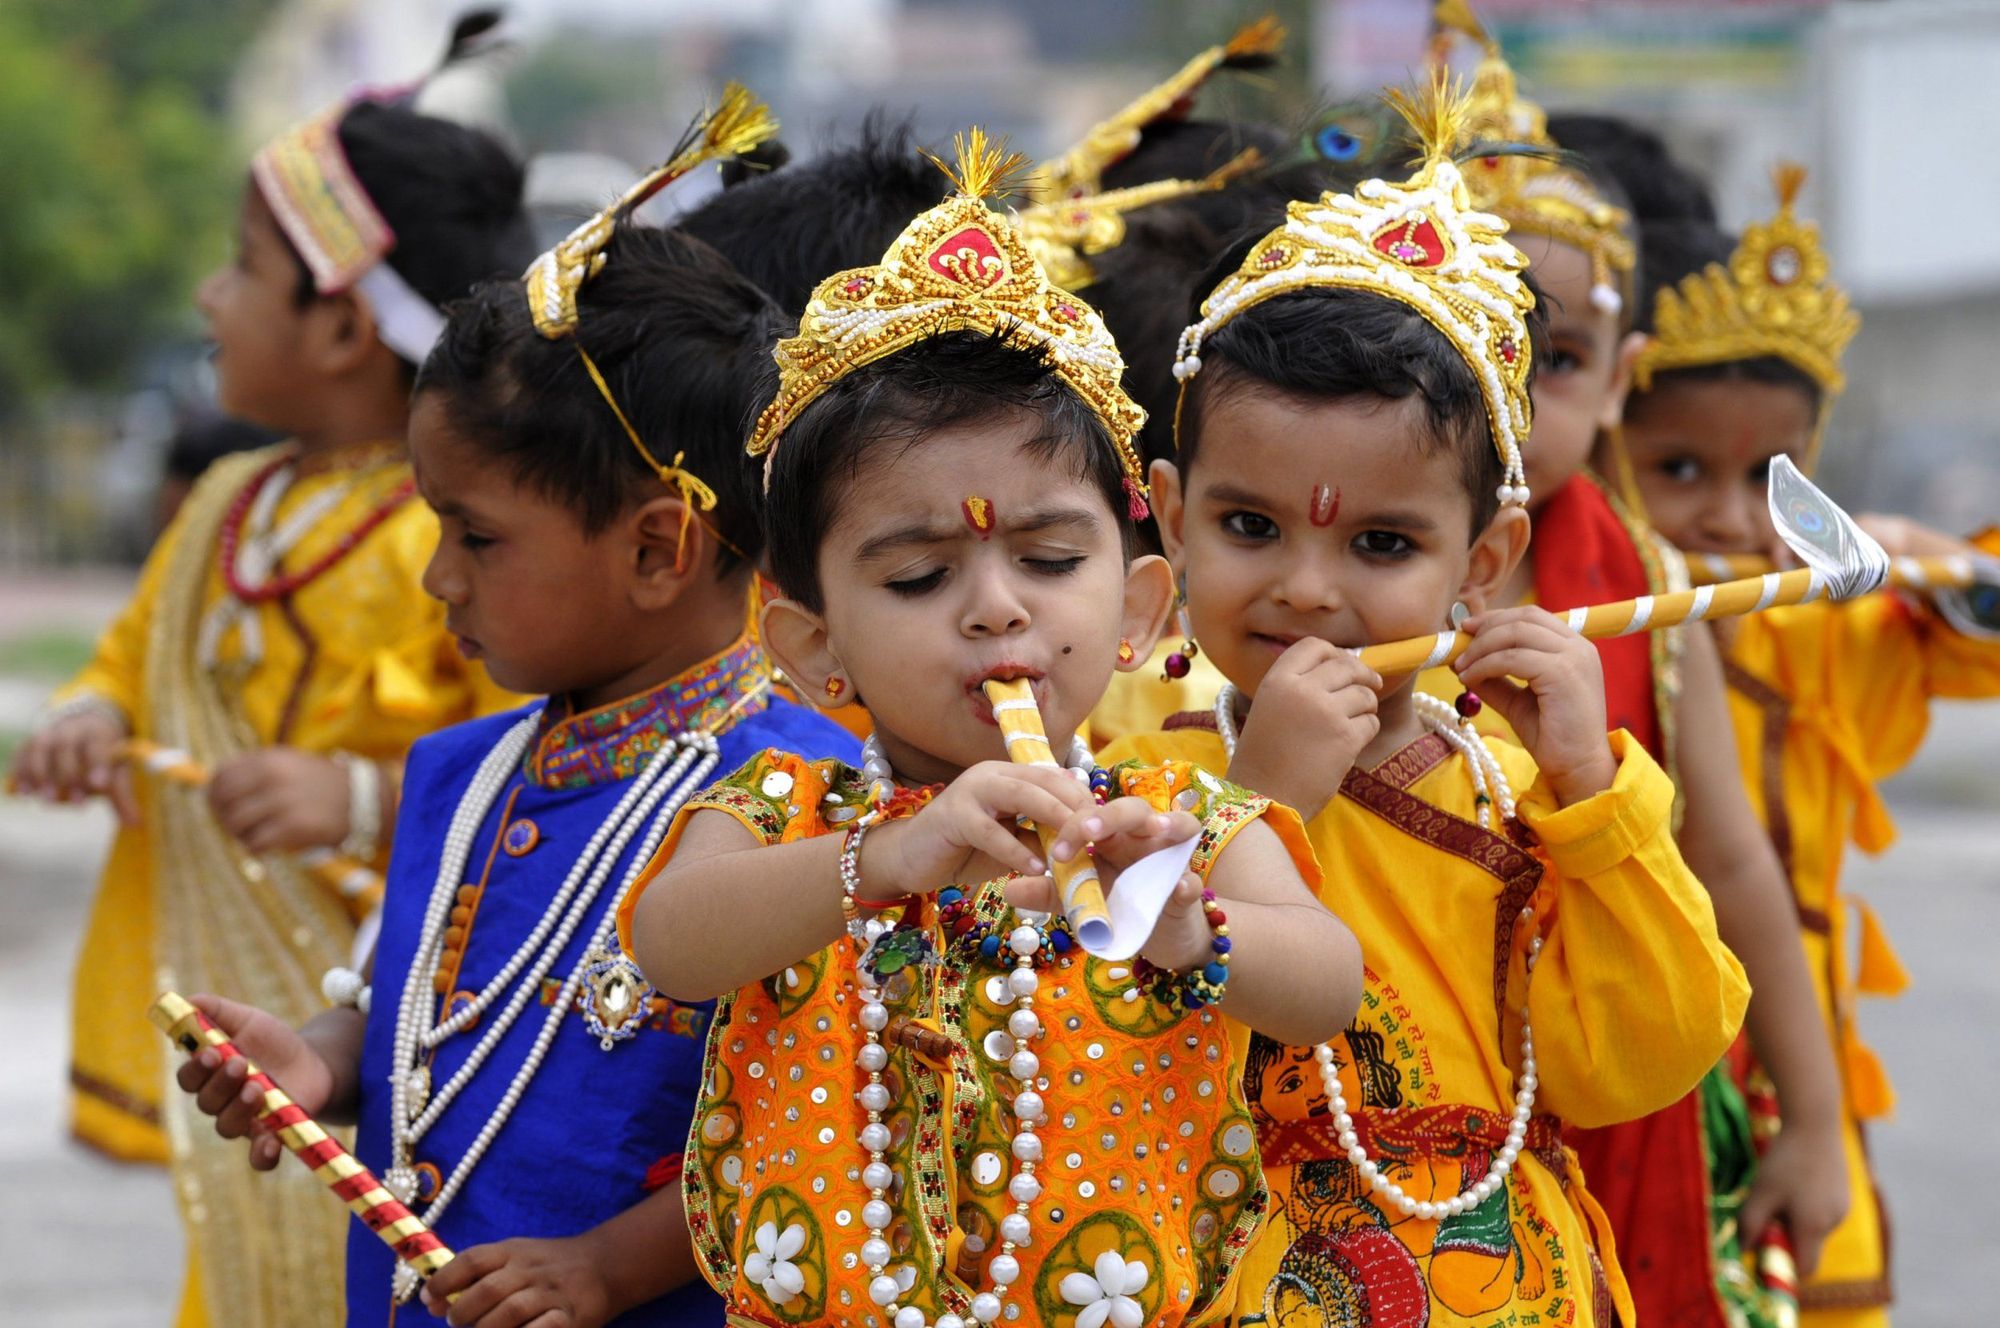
960, 267
1419, 243
1080, 171
1535, 194
1773, 299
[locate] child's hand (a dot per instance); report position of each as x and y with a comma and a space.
74, 759
1901, 537
1317, 690
1559, 714
547, 1283
221, 1090
1801, 1179
281, 800
976, 814
1120, 833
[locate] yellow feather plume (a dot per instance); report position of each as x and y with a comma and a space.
984, 168
1457, 16
1788, 177
1266, 36
1438, 113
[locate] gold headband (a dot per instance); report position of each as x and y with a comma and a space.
1535, 195
552, 282
1080, 171
958, 267
306, 179
1419, 243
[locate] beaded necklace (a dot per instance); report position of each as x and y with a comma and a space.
680, 767
1489, 784
888, 1285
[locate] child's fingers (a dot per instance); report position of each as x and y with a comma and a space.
466, 1268
1036, 893
535, 1304
266, 1151
221, 1089
997, 842
1120, 818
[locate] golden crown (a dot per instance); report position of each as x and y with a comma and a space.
740, 122
1080, 171
1067, 233
958, 267
1535, 194
1773, 299
1419, 243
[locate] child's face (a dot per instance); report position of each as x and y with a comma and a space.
253, 319
544, 605
1331, 519
1701, 451
1585, 371
961, 557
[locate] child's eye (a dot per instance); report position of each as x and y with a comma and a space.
1055, 566
911, 587
1250, 525
472, 543
1383, 544
1560, 361
1760, 474
1681, 470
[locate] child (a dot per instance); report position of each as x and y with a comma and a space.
1828, 699
573, 563
1040, 1133
279, 636
1666, 690
1350, 471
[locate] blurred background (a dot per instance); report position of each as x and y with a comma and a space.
126, 126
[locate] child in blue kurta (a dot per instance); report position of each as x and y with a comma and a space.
515, 1078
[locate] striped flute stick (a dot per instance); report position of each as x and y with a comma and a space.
1951, 572
1076, 881
351, 880
381, 1212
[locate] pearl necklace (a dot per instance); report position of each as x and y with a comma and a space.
1489, 783
670, 776
262, 546
887, 1287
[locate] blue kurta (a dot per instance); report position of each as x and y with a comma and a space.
593, 1123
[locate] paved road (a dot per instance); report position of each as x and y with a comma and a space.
88, 1244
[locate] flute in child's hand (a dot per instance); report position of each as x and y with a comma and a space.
1076, 881
1841, 561
350, 879
400, 1229
1957, 571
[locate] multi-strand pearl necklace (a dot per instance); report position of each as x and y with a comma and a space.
886, 1287
670, 776
1489, 783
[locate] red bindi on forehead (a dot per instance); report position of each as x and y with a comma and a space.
1325, 505
979, 514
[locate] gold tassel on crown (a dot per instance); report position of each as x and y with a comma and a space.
1773, 299
1419, 243
960, 267
1534, 195
1067, 233
1080, 171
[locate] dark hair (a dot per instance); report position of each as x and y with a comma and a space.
682, 341
201, 442
1338, 344
1660, 188
1673, 251
794, 227
899, 400
451, 193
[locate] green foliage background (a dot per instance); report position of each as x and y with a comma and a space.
120, 178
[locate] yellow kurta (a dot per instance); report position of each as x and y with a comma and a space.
357, 660
1632, 1000
1828, 700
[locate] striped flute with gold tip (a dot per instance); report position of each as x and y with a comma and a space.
1077, 885
381, 1212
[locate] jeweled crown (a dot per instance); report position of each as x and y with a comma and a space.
1535, 194
1774, 298
960, 267
1065, 234
1420, 243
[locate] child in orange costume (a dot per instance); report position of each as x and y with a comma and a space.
951, 484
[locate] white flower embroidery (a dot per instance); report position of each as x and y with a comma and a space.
1108, 1294
770, 1266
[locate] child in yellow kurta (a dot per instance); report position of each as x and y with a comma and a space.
924, 1104
1828, 699
279, 636
1350, 471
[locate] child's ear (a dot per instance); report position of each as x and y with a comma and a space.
1613, 412
795, 639
1149, 598
668, 550
345, 336
1163, 477
1495, 554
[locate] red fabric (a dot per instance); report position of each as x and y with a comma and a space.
665, 1172
1585, 555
